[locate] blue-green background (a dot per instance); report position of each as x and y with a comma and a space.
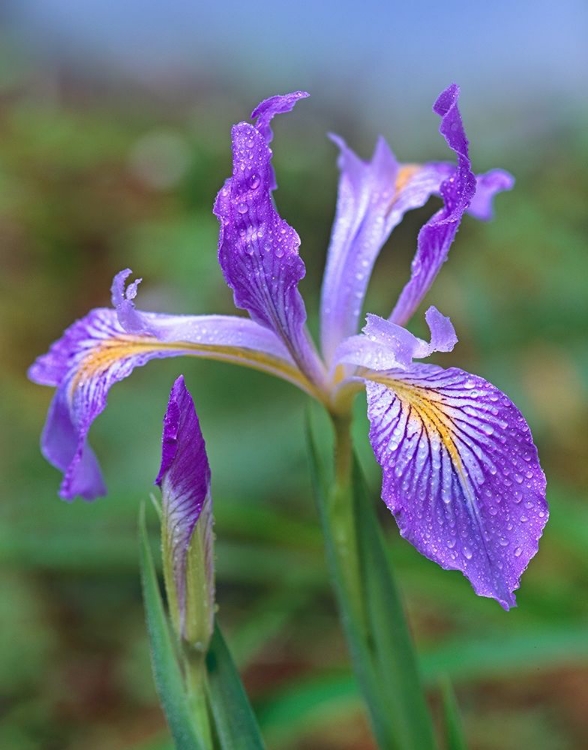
114, 138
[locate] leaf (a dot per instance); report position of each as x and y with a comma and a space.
235, 722
166, 670
372, 614
454, 737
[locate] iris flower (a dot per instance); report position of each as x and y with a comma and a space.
460, 471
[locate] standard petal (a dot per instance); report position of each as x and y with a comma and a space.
258, 250
372, 199
438, 233
460, 473
184, 479
96, 352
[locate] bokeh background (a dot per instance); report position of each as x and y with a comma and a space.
114, 138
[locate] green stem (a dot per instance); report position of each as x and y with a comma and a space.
340, 512
371, 610
196, 684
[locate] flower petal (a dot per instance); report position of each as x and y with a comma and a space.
372, 199
385, 345
460, 473
258, 250
96, 352
487, 186
438, 233
184, 479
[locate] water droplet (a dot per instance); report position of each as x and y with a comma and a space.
518, 552
503, 542
254, 181
451, 543
467, 552
242, 208
518, 478
488, 429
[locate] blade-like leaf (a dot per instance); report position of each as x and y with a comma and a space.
454, 737
372, 614
235, 722
166, 670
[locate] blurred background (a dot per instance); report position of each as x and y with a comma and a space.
114, 138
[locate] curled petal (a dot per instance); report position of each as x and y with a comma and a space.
385, 345
438, 233
487, 186
258, 250
184, 479
96, 352
460, 473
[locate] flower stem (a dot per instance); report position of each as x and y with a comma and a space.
371, 610
196, 684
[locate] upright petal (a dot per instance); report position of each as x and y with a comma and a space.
460, 473
372, 199
184, 479
258, 250
97, 351
438, 233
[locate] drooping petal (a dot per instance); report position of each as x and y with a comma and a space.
96, 352
460, 473
383, 345
438, 233
258, 250
184, 479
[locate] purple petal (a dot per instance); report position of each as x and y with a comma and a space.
96, 352
438, 233
184, 479
258, 250
460, 473
373, 198
487, 186
275, 105
385, 345
93, 354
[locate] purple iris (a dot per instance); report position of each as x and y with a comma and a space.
460, 471
184, 480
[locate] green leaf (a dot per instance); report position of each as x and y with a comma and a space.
166, 670
235, 722
372, 614
454, 737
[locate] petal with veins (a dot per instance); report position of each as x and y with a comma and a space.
460, 473
96, 352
